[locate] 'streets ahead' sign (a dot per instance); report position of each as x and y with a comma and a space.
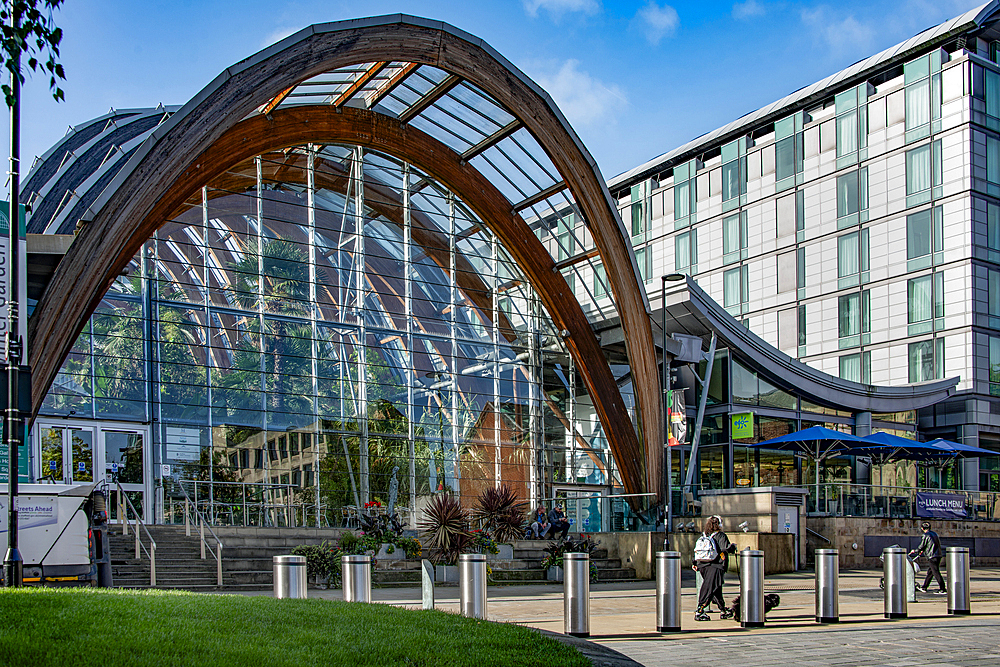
941, 505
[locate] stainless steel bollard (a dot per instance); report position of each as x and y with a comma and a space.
576, 594
357, 575
751, 588
290, 577
827, 586
959, 592
894, 580
668, 591
472, 584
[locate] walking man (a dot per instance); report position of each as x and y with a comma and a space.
930, 548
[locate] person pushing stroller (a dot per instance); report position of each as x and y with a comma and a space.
711, 559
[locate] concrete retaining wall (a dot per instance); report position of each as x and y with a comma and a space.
860, 540
638, 550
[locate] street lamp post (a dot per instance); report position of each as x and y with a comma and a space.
13, 564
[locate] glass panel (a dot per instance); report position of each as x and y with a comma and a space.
847, 194
850, 367
123, 458
731, 234
731, 288
918, 169
82, 442
993, 292
784, 158
918, 234
921, 357
992, 93
850, 315
848, 255
918, 294
682, 199
993, 226
52, 454
992, 159
918, 104
847, 134
731, 180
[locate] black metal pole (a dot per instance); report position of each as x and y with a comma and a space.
13, 564
668, 513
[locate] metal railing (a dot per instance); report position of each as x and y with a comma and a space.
262, 504
124, 504
896, 502
191, 509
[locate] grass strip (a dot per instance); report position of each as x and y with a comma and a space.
70, 627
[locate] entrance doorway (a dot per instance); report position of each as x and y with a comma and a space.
76, 453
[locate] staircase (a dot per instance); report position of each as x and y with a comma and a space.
247, 560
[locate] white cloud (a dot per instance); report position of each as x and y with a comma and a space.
584, 99
747, 10
277, 35
657, 22
842, 35
559, 7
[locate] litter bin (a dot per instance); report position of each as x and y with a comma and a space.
290, 577
957, 562
357, 575
668, 591
751, 588
894, 567
576, 594
827, 586
472, 584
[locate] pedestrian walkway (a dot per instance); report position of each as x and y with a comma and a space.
622, 618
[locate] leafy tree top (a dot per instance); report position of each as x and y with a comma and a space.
36, 36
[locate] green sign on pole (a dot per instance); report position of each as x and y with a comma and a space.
742, 425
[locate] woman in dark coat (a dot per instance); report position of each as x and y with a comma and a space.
713, 571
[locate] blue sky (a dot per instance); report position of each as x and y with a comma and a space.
634, 78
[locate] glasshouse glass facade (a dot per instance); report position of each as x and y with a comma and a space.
316, 324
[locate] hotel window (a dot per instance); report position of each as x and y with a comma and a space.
991, 81
857, 367
924, 239
802, 330
922, 78
993, 166
852, 259
800, 272
564, 236
642, 260
685, 194
686, 252
734, 237
637, 211
923, 173
735, 295
994, 366
993, 231
993, 298
854, 321
600, 281
852, 198
734, 174
788, 151
852, 125
925, 304
926, 360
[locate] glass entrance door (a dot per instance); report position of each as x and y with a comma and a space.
67, 454
124, 463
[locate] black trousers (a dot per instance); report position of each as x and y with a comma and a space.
713, 576
934, 570
559, 526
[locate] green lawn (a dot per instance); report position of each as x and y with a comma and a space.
77, 627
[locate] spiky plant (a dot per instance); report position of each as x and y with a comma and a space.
445, 530
501, 513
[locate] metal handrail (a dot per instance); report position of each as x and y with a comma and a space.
188, 505
123, 518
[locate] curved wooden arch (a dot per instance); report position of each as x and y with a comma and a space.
300, 125
134, 194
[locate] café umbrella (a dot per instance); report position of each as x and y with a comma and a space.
885, 448
959, 449
816, 442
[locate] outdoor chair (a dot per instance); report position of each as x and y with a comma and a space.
690, 503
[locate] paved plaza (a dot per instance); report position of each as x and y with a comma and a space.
623, 619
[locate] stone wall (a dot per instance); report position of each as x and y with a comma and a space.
778, 548
860, 539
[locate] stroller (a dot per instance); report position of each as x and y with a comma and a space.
909, 557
